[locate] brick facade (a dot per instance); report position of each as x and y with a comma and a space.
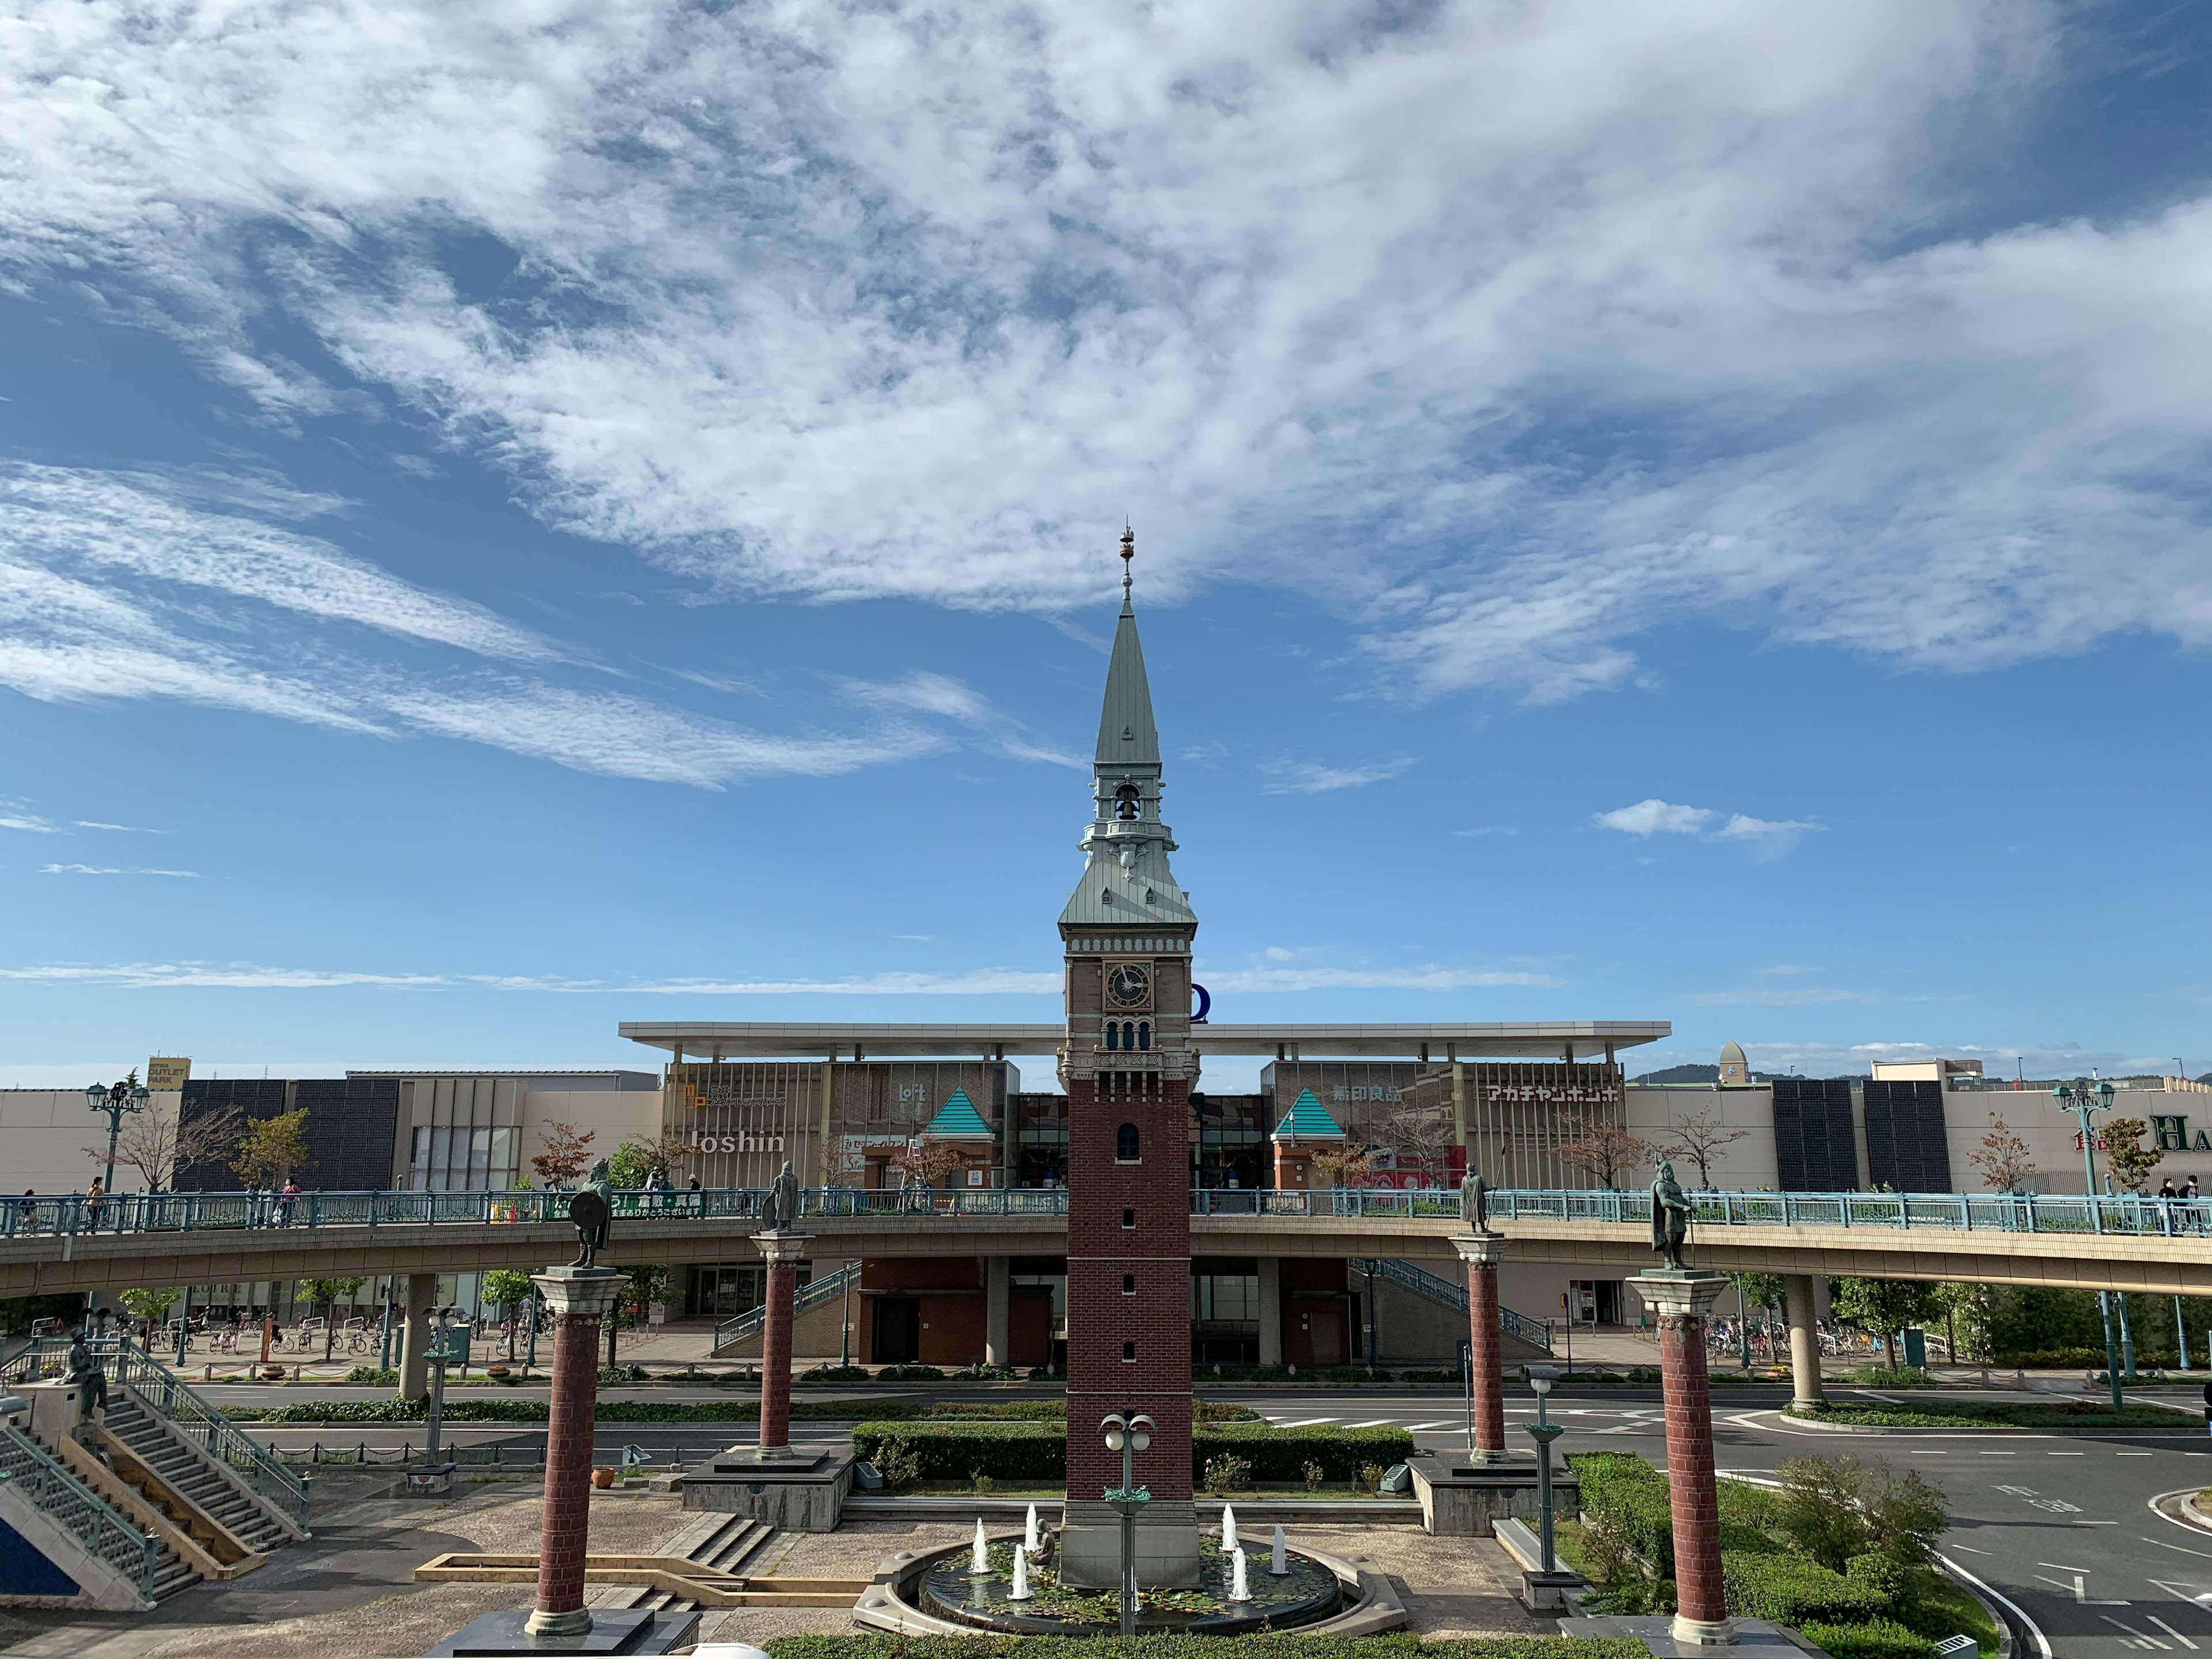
578, 1301
1104, 1254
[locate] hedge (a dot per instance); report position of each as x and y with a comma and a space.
1792, 1588
1036, 1451
496, 1410
872, 1646
1877, 1639
1627, 1502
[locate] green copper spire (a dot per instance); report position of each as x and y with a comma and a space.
1127, 884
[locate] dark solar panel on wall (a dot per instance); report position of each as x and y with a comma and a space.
1814, 1149
352, 1125
1907, 1150
254, 1097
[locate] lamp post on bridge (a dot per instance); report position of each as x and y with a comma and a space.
2083, 1097
124, 1095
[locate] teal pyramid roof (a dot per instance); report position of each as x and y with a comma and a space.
1307, 1119
958, 1116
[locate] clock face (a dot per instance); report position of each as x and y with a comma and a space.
1128, 985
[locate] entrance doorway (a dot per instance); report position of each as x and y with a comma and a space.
898, 1330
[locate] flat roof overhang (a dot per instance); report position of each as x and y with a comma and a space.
1435, 1042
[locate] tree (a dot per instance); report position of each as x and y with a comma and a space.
2002, 1157
923, 1162
1700, 1139
1345, 1166
642, 1287
1606, 1152
508, 1288
1885, 1306
158, 1142
636, 1161
149, 1305
270, 1150
2129, 1160
1833, 1509
565, 1157
1428, 1131
327, 1294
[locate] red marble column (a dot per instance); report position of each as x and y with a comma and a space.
1683, 1301
782, 1251
579, 1299
1482, 1252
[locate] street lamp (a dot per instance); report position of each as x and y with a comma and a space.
2082, 1098
449, 1342
125, 1095
1544, 1431
1129, 1434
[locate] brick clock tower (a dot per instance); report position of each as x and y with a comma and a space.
1129, 1070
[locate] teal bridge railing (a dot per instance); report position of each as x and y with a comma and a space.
1535, 1331
70, 1505
826, 1287
75, 1215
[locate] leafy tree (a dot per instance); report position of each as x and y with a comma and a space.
150, 1305
1885, 1306
508, 1288
925, 1162
2002, 1157
159, 1142
1836, 1508
2129, 1160
566, 1155
642, 1287
1969, 1311
270, 1150
636, 1161
327, 1294
1345, 1166
1701, 1137
1606, 1152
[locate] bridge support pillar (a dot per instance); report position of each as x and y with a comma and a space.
1482, 1252
1271, 1311
1684, 1300
1804, 1343
996, 1351
578, 1298
414, 1360
783, 1252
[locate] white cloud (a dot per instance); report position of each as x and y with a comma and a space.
941, 694
103, 870
147, 975
1428, 977
900, 301
1656, 816
122, 828
29, 824
1313, 778
1767, 838
982, 981
1797, 997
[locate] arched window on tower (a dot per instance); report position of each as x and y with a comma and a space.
1125, 801
1128, 1034
1112, 1035
1125, 1147
1144, 1033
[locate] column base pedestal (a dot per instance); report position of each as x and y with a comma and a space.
1167, 1545
613, 1631
1485, 1457
1704, 1632
1746, 1638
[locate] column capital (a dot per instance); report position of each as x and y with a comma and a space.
780, 1247
1672, 1294
1479, 1249
586, 1290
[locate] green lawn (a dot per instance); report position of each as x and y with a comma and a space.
1979, 1415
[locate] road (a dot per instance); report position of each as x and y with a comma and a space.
2062, 1526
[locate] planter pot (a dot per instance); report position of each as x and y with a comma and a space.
272, 1373
497, 1373
603, 1478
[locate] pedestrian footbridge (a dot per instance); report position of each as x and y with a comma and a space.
53, 1244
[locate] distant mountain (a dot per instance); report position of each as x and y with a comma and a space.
1681, 1074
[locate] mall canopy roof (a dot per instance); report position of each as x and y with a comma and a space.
1588, 1039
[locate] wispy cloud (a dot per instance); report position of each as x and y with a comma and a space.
1287, 777
1488, 829
1768, 838
1428, 977
150, 975
122, 828
1795, 997
103, 870
924, 693
29, 825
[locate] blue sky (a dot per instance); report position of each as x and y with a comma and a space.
560, 513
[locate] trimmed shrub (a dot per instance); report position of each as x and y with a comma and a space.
874, 1646
1630, 1516
1036, 1450
1876, 1638
909, 1374
1791, 1589
1032, 1454
833, 1374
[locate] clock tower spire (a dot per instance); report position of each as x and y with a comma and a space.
1127, 1066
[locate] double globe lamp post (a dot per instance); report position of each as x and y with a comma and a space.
1129, 1434
2082, 1098
117, 1099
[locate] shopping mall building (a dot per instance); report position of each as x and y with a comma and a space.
1012, 1105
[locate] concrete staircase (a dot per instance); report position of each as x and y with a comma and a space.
195, 1492
1521, 1338
722, 1543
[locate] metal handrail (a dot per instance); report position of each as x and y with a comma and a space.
1435, 1286
74, 1506
129, 1365
812, 1294
74, 1215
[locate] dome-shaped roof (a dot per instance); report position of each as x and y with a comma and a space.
1731, 1055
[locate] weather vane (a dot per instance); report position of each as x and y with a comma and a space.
1128, 552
